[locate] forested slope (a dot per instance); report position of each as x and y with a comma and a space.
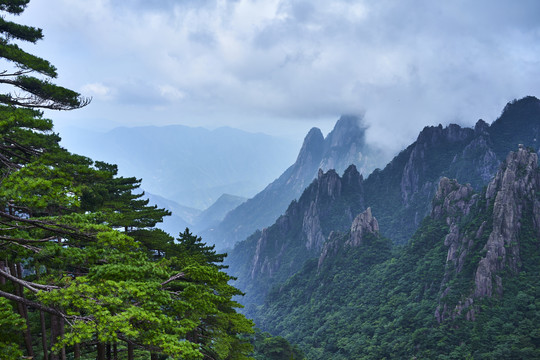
399, 196
465, 286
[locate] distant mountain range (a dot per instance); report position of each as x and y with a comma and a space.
189, 166
183, 217
344, 145
400, 195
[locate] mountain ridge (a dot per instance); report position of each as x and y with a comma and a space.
344, 145
399, 196
464, 286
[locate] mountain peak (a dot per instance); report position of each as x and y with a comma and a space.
348, 128
527, 102
346, 144
452, 133
519, 123
363, 224
312, 148
481, 127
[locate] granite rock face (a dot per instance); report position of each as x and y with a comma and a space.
513, 188
302, 230
344, 145
416, 168
510, 197
362, 225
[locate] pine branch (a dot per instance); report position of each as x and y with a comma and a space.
50, 226
180, 275
34, 287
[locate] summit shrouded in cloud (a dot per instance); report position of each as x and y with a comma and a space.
281, 66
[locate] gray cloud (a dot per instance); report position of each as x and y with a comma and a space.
405, 64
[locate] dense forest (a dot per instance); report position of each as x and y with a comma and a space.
365, 299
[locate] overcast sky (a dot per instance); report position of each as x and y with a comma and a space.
281, 66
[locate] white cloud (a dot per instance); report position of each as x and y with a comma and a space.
171, 93
97, 90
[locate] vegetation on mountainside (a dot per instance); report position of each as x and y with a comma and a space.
84, 273
365, 303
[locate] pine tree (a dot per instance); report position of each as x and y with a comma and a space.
80, 258
23, 68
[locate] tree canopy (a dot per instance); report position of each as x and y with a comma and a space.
78, 248
83, 270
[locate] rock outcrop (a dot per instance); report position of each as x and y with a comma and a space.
344, 145
417, 166
513, 189
362, 225
487, 228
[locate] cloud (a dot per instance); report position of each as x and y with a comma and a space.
171, 93
405, 63
97, 90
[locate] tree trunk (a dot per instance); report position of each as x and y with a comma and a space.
130, 351
100, 351
16, 270
43, 327
62, 330
44, 335
115, 351
2, 279
109, 353
54, 335
77, 351
57, 331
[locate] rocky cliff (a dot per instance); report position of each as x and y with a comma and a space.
275, 253
344, 145
486, 232
362, 225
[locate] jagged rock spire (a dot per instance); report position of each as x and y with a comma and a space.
510, 197
362, 225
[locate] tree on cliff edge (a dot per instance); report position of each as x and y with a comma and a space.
21, 69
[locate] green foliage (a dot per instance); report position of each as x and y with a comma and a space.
30, 91
13, 6
89, 255
11, 324
267, 347
190, 245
